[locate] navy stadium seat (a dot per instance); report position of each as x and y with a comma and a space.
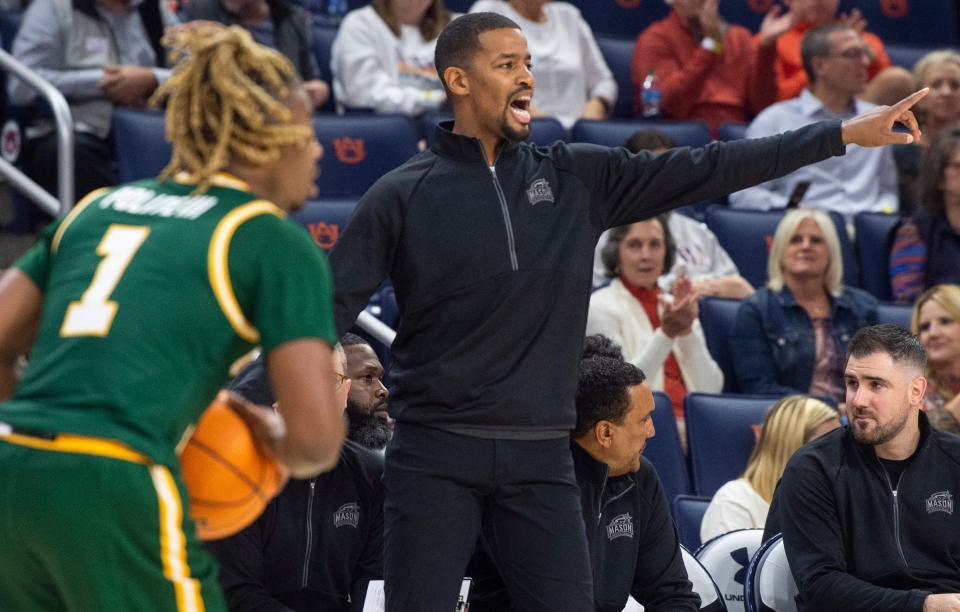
543, 131
688, 511
664, 450
898, 314
746, 13
716, 318
618, 53
770, 585
746, 235
325, 219
906, 56
621, 18
874, 237
142, 148
910, 22
359, 149
613, 133
322, 41
732, 131
720, 436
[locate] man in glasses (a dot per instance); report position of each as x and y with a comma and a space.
320, 542
836, 60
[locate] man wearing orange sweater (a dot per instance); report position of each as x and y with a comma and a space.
709, 70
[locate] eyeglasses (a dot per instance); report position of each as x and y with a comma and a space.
854, 53
340, 379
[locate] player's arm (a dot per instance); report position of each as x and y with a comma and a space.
315, 424
21, 303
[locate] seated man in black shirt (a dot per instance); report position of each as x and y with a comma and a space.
867, 511
633, 545
320, 542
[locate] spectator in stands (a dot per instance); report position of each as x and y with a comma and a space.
98, 54
743, 503
320, 541
926, 248
633, 544
791, 336
382, 57
658, 331
573, 79
867, 511
698, 252
936, 321
887, 83
707, 69
937, 113
274, 23
836, 58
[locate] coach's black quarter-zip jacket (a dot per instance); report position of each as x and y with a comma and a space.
492, 264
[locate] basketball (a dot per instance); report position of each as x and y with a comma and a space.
229, 477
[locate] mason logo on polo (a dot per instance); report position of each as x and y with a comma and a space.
620, 527
539, 191
940, 501
347, 514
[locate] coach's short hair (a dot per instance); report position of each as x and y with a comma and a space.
902, 346
602, 391
460, 40
351, 339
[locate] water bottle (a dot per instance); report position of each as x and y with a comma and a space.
650, 95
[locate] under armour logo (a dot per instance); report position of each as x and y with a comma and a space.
741, 558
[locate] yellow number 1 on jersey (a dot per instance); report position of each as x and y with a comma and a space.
93, 314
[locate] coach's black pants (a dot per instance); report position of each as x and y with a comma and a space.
443, 489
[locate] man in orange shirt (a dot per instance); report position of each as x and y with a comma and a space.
887, 83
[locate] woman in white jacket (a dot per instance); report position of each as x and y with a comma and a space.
382, 57
658, 332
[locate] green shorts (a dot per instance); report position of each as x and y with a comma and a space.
88, 524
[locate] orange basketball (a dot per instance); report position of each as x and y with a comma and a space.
229, 478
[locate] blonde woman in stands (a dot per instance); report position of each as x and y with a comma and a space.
382, 57
743, 503
936, 321
573, 79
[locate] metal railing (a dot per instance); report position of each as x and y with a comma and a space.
376, 328
64, 122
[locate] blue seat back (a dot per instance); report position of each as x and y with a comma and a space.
618, 52
141, 145
898, 314
543, 131
732, 131
615, 133
716, 318
621, 18
325, 219
664, 450
906, 56
747, 234
321, 42
720, 436
359, 149
688, 511
874, 232
913, 22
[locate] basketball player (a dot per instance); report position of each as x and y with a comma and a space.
489, 244
132, 308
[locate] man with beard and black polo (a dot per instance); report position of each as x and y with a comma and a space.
320, 542
367, 403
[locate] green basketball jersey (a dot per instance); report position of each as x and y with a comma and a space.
150, 294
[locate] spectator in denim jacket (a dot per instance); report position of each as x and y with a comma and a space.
792, 335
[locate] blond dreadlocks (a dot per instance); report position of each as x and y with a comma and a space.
224, 100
